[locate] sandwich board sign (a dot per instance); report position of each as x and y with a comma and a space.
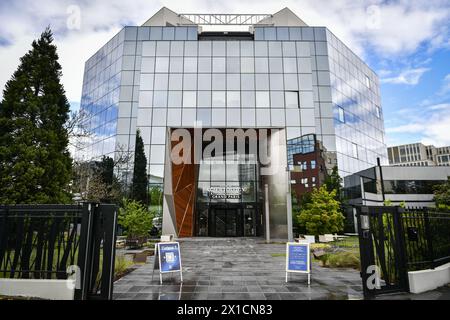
167, 259
298, 259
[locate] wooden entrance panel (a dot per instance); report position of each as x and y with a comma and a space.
184, 188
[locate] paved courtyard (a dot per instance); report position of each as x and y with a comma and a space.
237, 269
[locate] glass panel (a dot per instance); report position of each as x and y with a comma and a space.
261, 65
218, 99
204, 65
262, 99
189, 99
233, 99
248, 99
218, 65
291, 99
190, 65
204, 99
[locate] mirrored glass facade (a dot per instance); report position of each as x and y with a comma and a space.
302, 80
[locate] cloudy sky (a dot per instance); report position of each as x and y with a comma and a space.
407, 42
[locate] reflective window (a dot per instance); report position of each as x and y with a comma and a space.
341, 115
160, 99
276, 81
190, 65
190, 48
176, 81
162, 64
277, 99
233, 48
158, 135
289, 49
233, 99
204, 81
275, 65
248, 99
148, 64
218, 48
219, 65
262, 99
162, 48
175, 98
260, 49
290, 65
233, 65
248, 81
262, 81
247, 65
189, 99
204, 65
261, 65
204, 48
176, 64
292, 99
190, 81
176, 48
218, 99
204, 99
168, 33
247, 49
275, 49
218, 81
233, 82
161, 81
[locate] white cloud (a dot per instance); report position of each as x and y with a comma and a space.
445, 85
408, 77
431, 123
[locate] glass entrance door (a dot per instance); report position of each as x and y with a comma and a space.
226, 223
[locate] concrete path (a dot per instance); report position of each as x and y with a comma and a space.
238, 269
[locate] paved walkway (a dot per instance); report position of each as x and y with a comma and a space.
237, 269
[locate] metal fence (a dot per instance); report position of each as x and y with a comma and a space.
48, 241
396, 241
427, 238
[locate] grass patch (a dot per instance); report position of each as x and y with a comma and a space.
343, 259
275, 255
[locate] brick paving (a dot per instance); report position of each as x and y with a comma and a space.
237, 269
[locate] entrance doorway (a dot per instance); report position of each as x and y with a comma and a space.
232, 222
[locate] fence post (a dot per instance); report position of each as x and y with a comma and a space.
84, 253
429, 237
109, 213
400, 239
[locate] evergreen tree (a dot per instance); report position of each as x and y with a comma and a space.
140, 179
333, 181
35, 164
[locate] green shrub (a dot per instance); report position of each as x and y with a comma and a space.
135, 219
341, 260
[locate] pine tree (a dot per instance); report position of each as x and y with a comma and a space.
140, 179
333, 181
35, 164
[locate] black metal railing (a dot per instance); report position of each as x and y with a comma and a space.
47, 241
427, 238
398, 240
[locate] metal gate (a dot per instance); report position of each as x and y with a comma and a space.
49, 241
382, 250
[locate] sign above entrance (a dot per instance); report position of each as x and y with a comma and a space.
225, 192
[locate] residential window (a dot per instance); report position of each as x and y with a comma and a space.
313, 164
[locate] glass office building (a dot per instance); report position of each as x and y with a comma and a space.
280, 75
